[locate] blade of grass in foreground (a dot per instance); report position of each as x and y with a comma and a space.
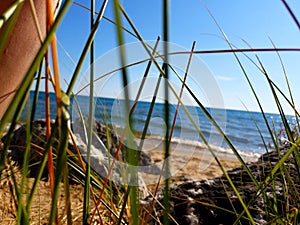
252, 91
86, 49
282, 115
86, 203
132, 160
58, 95
22, 215
8, 18
289, 87
291, 13
60, 169
147, 121
23, 212
174, 121
48, 123
211, 119
167, 193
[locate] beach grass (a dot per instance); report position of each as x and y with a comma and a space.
103, 201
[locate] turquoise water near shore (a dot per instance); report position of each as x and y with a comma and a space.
241, 127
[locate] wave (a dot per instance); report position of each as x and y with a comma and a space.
185, 145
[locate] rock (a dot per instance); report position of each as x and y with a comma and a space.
203, 201
108, 142
18, 143
103, 148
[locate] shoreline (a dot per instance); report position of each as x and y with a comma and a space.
190, 159
190, 165
187, 145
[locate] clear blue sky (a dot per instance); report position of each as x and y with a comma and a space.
254, 21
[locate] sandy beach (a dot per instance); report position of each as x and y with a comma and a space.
190, 161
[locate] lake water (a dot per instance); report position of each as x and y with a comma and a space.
241, 127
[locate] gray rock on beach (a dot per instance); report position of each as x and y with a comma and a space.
104, 145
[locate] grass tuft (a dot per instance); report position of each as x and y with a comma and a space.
106, 202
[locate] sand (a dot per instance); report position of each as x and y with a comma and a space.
189, 161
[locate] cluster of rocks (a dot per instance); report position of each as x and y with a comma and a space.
104, 145
213, 201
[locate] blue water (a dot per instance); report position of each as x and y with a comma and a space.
241, 127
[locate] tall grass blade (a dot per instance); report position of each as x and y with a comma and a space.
23, 212
57, 90
288, 86
181, 91
8, 18
36, 20
106, 18
61, 155
166, 114
174, 118
283, 118
86, 204
144, 80
211, 119
48, 123
130, 153
291, 13
86, 48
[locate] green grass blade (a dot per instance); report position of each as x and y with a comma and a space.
283, 118
107, 19
61, 160
143, 81
133, 190
137, 34
288, 86
213, 153
67, 194
86, 204
167, 193
86, 48
42, 164
8, 18
291, 13
22, 216
181, 90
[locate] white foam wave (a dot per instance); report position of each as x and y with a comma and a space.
153, 141
186, 145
